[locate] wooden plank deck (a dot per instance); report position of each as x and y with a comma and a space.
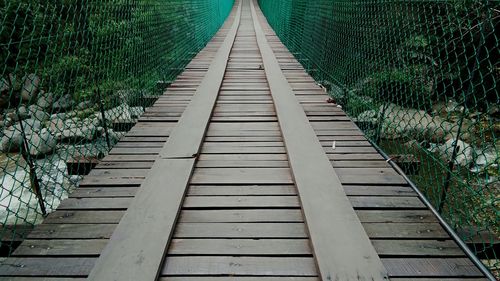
242, 217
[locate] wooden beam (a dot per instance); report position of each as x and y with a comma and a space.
341, 246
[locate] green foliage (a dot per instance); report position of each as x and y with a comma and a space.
408, 87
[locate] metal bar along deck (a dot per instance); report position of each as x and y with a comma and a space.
232, 175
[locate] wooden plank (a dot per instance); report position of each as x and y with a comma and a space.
240, 247
241, 230
58, 247
427, 267
77, 267
242, 164
242, 176
241, 216
72, 231
85, 216
236, 266
342, 249
417, 216
406, 230
409, 248
241, 202
386, 202
242, 278
242, 190
117, 203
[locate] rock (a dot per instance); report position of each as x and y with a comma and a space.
30, 87
487, 157
58, 116
6, 122
399, 122
453, 106
42, 143
38, 113
120, 113
367, 116
15, 83
30, 125
45, 100
136, 112
114, 137
22, 113
56, 125
4, 85
41, 116
85, 105
465, 152
63, 103
494, 110
4, 93
76, 130
12, 141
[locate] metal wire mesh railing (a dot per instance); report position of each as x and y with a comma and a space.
421, 79
74, 73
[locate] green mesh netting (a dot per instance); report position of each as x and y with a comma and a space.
421, 79
72, 72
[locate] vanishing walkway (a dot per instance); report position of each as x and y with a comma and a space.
242, 171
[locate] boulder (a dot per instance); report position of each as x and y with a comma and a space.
30, 87
114, 137
22, 113
45, 100
4, 85
485, 158
117, 114
399, 122
30, 125
63, 103
4, 93
12, 141
465, 152
85, 105
38, 113
40, 144
76, 130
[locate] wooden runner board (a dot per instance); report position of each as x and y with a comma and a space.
342, 249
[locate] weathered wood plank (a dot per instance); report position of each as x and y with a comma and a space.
241, 216
236, 266
77, 267
427, 267
242, 190
241, 230
240, 247
58, 247
242, 176
241, 202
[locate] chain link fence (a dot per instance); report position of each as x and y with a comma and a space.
75, 75
421, 79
